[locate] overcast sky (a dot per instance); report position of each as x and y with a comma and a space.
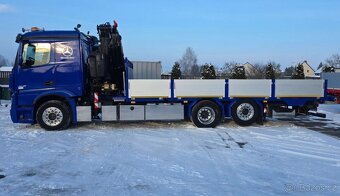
285, 31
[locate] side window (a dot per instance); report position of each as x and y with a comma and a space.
66, 51
36, 54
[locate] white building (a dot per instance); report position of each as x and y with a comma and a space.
249, 69
4, 80
308, 70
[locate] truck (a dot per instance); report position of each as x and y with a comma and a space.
333, 89
61, 78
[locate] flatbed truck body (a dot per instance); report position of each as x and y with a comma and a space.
64, 77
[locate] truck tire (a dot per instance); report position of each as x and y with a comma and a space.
206, 114
245, 112
54, 115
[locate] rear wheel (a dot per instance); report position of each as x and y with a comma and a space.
54, 115
206, 114
245, 112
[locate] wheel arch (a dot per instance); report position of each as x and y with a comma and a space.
258, 103
65, 97
210, 115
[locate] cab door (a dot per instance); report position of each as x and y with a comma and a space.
68, 71
35, 73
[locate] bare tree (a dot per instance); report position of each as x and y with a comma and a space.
333, 61
259, 71
3, 61
188, 60
227, 69
195, 71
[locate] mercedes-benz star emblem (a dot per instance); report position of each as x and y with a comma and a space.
67, 51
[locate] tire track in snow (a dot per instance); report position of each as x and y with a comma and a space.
230, 138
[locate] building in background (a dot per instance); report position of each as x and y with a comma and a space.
146, 69
249, 69
308, 70
4, 81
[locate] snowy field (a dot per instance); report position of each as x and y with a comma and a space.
170, 159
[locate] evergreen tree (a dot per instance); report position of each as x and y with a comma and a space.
238, 73
208, 71
298, 72
270, 74
328, 69
320, 65
289, 71
176, 72
213, 71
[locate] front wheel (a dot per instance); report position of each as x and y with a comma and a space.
245, 112
206, 114
54, 115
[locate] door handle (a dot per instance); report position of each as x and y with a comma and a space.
48, 83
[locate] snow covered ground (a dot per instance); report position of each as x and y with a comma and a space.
169, 159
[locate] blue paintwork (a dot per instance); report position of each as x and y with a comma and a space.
273, 89
65, 71
51, 35
226, 88
325, 88
128, 64
172, 89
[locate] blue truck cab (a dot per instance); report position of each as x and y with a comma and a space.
49, 65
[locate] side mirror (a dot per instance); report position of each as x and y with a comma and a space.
29, 58
18, 38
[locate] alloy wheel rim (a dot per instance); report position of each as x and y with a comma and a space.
245, 111
52, 116
206, 115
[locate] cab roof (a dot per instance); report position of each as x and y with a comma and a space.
50, 35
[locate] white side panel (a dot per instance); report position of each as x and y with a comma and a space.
84, 114
149, 88
132, 112
164, 112
199, 88
250, 88
299, 88
109, 113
